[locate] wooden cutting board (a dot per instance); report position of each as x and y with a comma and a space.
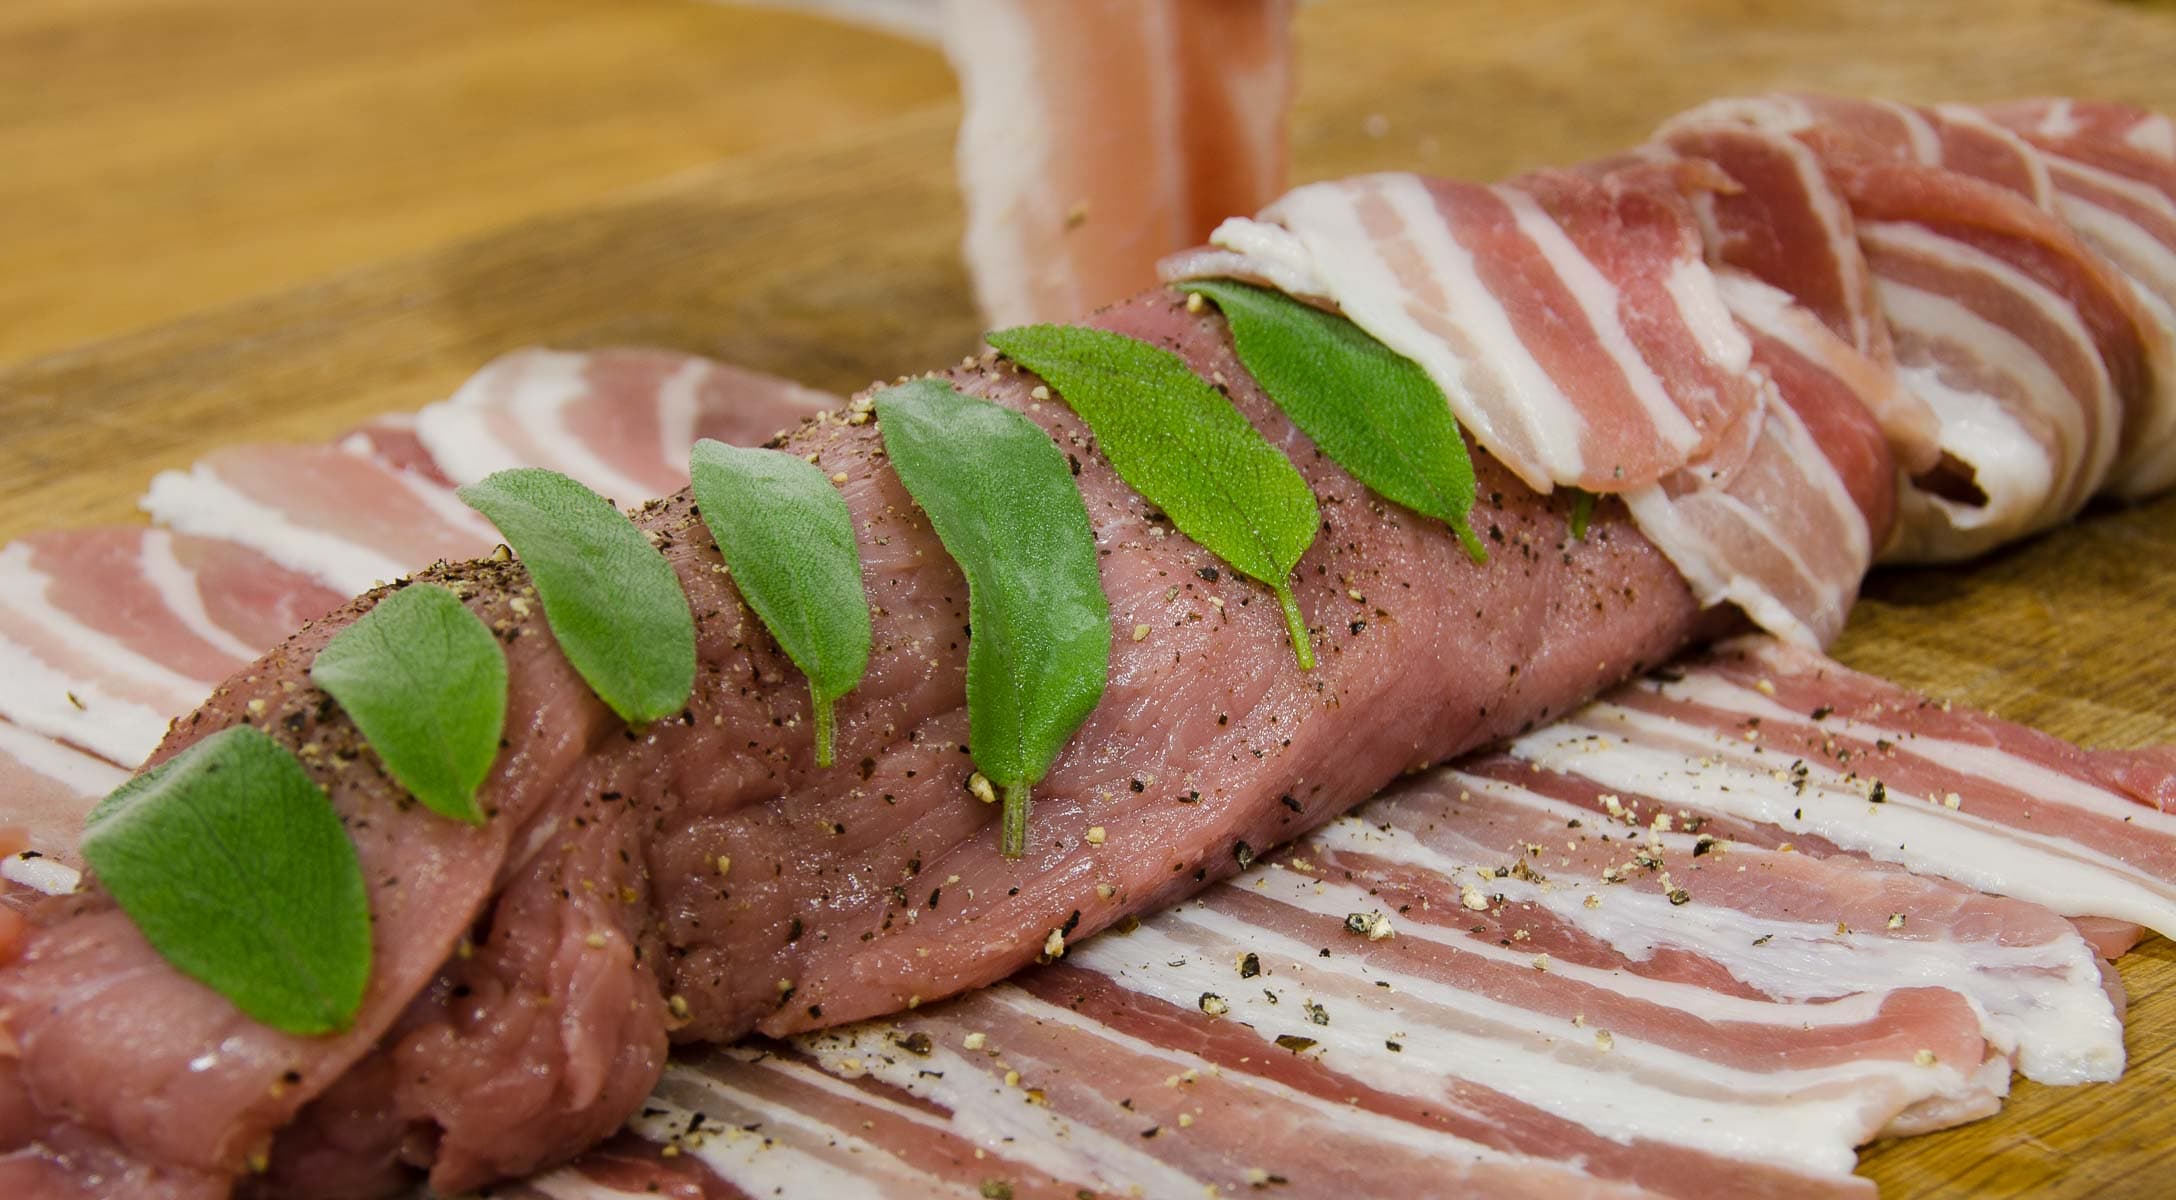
820, 244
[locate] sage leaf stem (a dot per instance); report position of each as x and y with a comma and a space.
1582, 513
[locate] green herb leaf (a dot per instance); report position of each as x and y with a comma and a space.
239, 873
1184, 448
1371, 409
1002, 500
426, 682
789, 542
611, 599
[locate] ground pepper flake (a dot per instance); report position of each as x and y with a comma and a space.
1373, 925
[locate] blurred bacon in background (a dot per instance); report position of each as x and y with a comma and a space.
164, 158
1101, 135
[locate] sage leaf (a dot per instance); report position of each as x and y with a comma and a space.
425, 681
1002, 499
1582, 512
239, 873
789, 543
1371, 409
611, 599
1183, 446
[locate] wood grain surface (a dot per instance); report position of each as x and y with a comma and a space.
230, 220
166, 155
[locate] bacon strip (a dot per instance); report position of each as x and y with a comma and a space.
1869, 768
2112, 169
1581, 338
2013, 370
1204, 1097
380, 503
621, 421
339, 516
50, 787
1563, 367
1788, 925
2028, 347
1099, 137
107, 633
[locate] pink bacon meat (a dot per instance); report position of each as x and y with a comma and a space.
50, 788
108, 633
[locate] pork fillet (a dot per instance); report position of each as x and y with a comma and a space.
700, 878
